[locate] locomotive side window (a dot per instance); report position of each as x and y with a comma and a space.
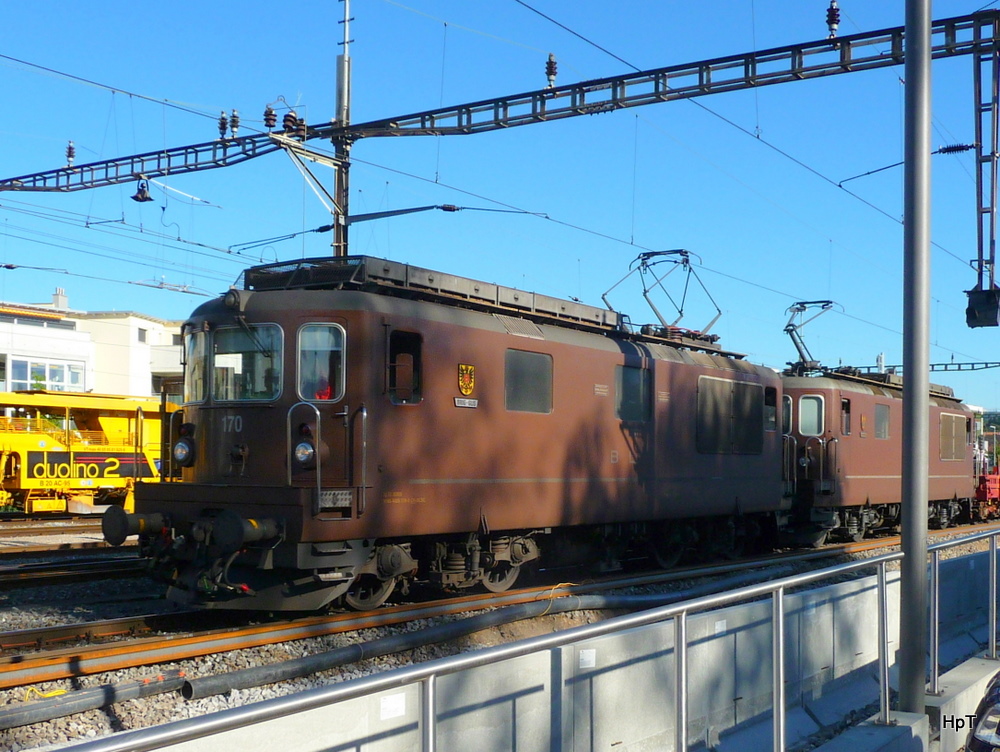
195, 367
528, 381
786, 414
954, 437
845, 417
404, 368
246, 363
811, 421
770, 409
730, 417
881, 421
321, 362
632, 393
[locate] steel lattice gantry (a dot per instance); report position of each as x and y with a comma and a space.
977, 34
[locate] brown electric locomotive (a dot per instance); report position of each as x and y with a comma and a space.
351, 423
846, 427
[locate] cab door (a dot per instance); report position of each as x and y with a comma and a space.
322, 417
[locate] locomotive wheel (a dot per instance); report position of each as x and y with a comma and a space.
368, 592
500, 577
819, 539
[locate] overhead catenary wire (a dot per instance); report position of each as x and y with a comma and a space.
755, 135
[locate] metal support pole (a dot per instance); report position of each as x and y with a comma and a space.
342, 145
935, 619
680, 663
883, 647
916, 359
778, 668
428, 714
993, 597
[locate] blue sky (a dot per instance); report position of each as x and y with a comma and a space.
582, 198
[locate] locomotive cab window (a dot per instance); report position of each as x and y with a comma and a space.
321, 362
195, 367
404, 368
811, 421
528, 381
632, 393
786, 414
246, 363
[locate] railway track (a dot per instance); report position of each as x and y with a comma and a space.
49, 573
126, 643
26, 536
34, 528
118, 649
65, 651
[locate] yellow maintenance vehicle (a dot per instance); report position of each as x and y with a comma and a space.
75, 452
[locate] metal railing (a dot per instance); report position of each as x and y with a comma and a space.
426, 674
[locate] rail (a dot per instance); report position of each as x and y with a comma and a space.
426, 674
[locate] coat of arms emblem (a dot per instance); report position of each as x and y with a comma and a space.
466, 378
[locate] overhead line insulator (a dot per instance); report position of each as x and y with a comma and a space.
833, 18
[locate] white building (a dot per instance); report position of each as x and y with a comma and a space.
50, 346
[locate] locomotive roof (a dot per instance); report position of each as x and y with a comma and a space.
883, 382
393, 278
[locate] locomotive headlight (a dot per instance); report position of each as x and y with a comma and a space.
305, 453
183, 452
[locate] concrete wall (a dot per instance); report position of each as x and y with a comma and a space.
616, 692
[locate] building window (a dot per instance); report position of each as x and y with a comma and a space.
142, 335
51, 375
528, 381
